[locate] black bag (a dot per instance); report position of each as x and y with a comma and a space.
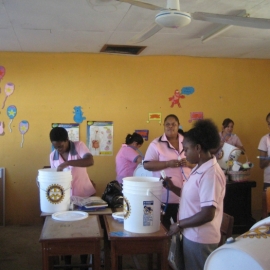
113, 194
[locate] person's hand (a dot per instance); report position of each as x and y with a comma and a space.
61, 167
167, 183
174, 229
174, 163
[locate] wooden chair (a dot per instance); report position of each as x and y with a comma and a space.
226, 228
266, 203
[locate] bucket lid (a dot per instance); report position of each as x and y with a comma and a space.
69, 215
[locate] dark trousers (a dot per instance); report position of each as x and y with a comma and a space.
171, 212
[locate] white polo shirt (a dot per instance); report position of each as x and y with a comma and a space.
205, 187
264, 145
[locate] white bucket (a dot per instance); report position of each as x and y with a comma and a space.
142, 204
225, 154
250, 251
54, 190
141, 171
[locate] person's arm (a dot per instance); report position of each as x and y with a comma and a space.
155, 165
206, 214
264, 162
86, 161
139, 159
167, 183
185, 163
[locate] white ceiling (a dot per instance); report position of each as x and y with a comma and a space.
87, 25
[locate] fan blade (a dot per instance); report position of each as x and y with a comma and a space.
146, 33
232, 20
142, 4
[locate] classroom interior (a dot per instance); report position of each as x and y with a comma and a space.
124, 90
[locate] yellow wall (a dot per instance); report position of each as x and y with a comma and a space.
124, 90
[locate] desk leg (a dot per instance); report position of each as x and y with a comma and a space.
45, 258
150, 261
96, 257
114, 257
164, 256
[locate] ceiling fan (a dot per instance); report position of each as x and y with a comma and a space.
172, 17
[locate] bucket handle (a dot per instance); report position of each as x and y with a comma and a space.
37, 182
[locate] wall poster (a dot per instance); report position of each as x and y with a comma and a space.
100, 138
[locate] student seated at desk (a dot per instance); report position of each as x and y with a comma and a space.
75, 156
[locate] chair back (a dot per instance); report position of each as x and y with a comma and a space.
266, 203
226, 228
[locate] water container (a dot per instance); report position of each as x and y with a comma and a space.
54, 190
142, 204
226, 153
250, 251
141, 171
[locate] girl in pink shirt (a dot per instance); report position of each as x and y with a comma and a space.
128, 157
226, 136
77, 157
201, 203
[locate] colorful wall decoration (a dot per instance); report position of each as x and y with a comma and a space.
195, 116
100, 138
154, 117
177, 95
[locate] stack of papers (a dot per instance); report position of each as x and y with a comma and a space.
89, 204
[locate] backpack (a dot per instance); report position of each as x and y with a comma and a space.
113, 194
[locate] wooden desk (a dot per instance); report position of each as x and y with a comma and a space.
70, 238
237, 203
128, 243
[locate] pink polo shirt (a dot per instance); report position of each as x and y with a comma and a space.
205, 187
264, 145
81, 184
160, 149
232, 140
126, 162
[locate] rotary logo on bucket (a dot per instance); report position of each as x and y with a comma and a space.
55, 193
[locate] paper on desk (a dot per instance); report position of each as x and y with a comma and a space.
89, 201
120, 234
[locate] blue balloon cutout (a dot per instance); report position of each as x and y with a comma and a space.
11, 111
188, 90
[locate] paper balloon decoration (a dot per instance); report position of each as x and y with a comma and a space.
1, 128
23, 127
2, 72
9, 89
11, 113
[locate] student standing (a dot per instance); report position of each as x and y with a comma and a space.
129, 156
201, 202
166, 153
